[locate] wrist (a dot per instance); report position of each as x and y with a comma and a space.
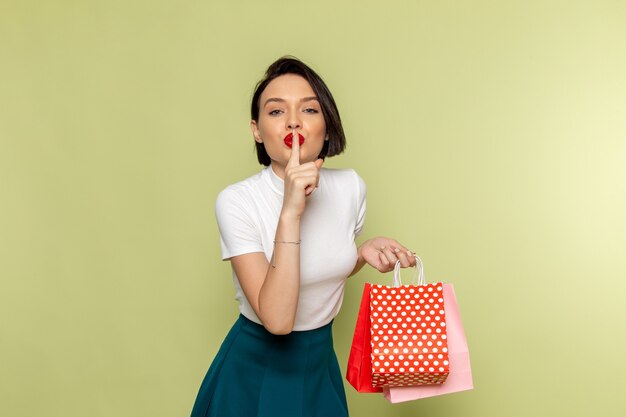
363, 247
359, 252
289, 216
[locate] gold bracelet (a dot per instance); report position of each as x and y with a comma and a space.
282, 241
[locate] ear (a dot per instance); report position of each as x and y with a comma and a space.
255, 131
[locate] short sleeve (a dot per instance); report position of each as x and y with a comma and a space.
238, 232
361, 205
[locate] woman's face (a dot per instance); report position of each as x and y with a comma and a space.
287, 103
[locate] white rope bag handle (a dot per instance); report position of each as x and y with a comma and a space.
418, 274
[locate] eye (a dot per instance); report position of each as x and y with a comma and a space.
275, 112
311, 110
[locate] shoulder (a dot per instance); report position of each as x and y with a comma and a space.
240, 194
346, 178
241, 190
346, 175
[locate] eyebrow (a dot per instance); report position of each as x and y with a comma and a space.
282, 100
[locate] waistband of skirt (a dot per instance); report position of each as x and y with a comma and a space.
323, 332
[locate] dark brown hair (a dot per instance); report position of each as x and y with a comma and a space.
336, 142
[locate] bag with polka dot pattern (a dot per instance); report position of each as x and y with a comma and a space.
400, 339
460, 372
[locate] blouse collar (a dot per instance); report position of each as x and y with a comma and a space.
277, 183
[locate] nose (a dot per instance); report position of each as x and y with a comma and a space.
293, 122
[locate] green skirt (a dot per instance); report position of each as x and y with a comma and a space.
259, 374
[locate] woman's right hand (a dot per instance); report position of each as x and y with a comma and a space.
273, 288
300, 180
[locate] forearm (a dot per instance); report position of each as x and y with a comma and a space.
278, 296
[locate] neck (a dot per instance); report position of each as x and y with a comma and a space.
278, 170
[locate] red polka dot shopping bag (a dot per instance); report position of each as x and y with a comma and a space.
409, 341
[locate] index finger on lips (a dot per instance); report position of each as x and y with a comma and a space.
294, 159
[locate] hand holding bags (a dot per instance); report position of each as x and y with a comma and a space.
408, 336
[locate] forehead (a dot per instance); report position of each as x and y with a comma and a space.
288, 85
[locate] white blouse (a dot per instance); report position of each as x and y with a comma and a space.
247, 215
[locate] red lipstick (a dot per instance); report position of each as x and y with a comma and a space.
289, 139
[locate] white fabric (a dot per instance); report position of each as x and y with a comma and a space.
247, 215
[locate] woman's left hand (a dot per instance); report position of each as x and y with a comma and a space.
382, 253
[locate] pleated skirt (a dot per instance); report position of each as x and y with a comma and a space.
259, 374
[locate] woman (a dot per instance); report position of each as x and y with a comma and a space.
289, 234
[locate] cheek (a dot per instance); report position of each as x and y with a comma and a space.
268, 131
319, 127
323, 125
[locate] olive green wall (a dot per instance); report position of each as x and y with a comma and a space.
491, 134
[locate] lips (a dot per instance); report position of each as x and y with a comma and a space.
289, 139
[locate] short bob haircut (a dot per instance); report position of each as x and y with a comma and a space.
336, 142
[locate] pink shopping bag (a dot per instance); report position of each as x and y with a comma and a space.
460, 377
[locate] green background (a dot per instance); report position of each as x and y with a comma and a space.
491, 135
